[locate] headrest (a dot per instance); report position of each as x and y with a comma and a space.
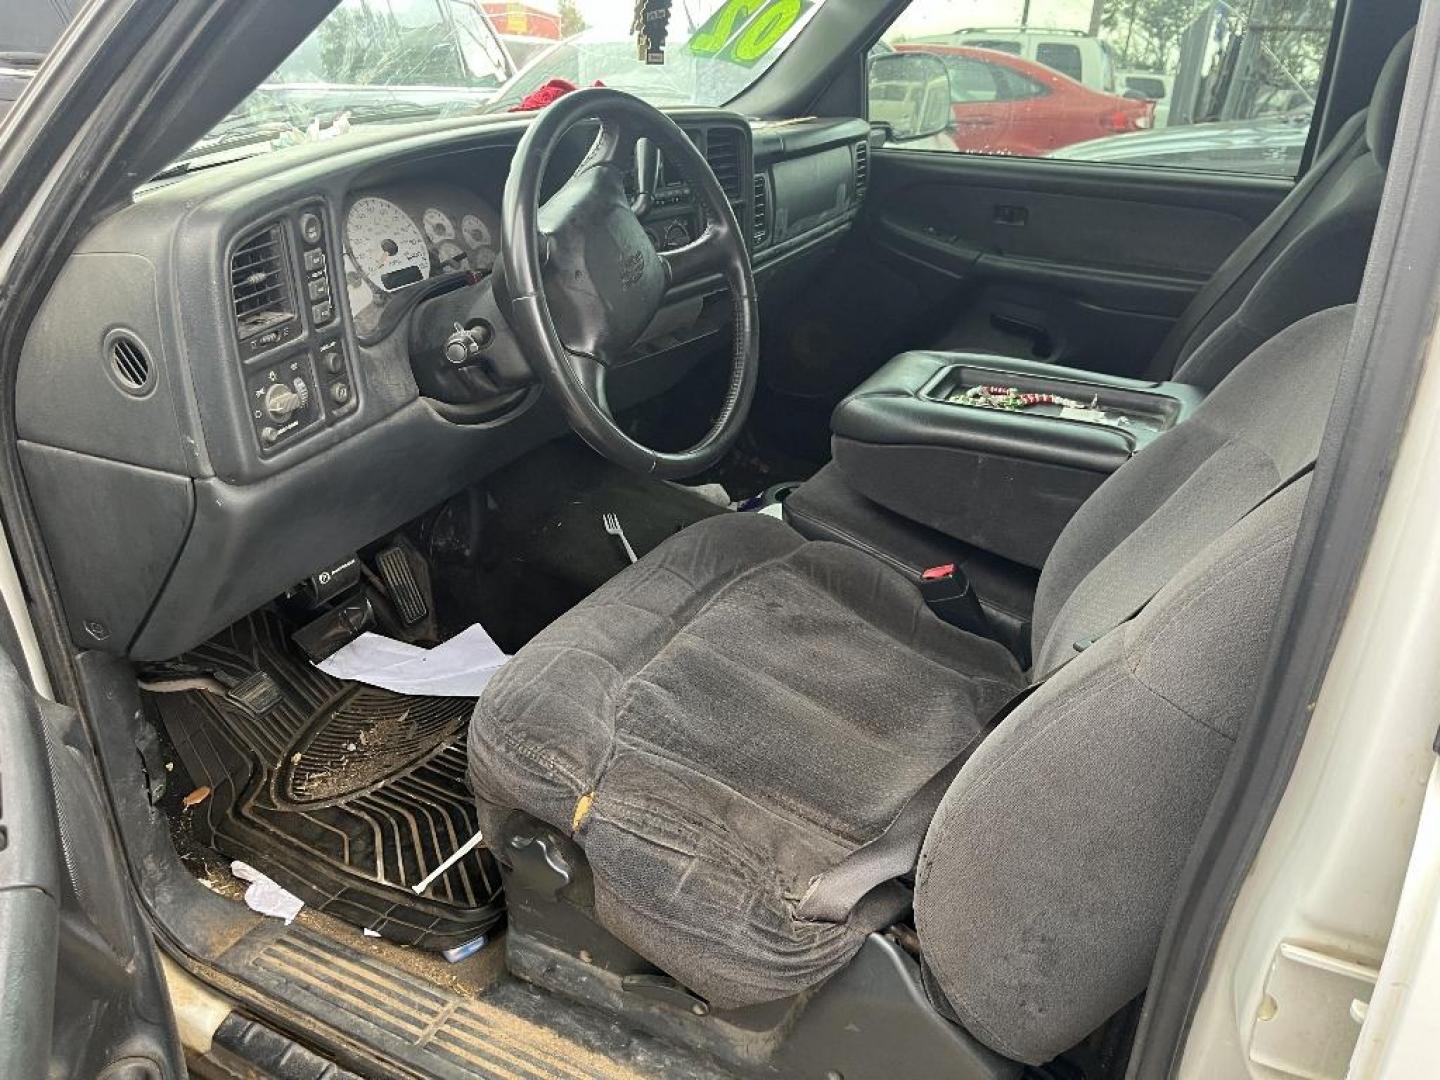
1384, 113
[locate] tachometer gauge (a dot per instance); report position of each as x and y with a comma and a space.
437, 226
476, 232
386, 244
451, 256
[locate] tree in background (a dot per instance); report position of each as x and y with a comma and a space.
1145, 34
571, 21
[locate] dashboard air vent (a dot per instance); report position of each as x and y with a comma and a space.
722, 151
260, 283
762, 210
862, 169
129, 363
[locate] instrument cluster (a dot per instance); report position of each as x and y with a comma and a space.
400, 236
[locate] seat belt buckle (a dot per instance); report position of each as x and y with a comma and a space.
948, 593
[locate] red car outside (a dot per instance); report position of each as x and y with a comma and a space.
1004, 104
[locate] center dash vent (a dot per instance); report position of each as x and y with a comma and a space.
762, 210
722, 151
260, 283
862, 169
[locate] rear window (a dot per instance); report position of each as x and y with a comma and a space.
1154, 89
1062, 56
1004, 45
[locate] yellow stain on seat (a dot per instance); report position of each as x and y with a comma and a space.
582, 811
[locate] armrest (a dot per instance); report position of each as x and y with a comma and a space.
1004, 481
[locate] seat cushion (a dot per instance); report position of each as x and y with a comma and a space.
719, 724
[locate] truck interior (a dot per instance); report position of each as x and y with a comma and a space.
886, 543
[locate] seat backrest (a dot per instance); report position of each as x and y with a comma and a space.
1271, 279
1048, 870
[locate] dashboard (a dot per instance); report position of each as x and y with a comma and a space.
227, 388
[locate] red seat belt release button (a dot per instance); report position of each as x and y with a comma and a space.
938, 573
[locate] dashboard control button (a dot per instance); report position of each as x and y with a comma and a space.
282, 402
340, 393
311, 231
322, 313
319, 289
268, 435
333, 361
315, 259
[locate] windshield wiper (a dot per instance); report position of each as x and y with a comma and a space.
392, 110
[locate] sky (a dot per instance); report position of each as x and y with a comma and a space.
923, 16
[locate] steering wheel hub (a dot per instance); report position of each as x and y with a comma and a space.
603, 279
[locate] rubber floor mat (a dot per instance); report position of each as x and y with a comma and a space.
343, 793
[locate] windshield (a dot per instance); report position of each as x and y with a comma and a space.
391, 61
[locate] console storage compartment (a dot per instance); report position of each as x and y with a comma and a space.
1005, 481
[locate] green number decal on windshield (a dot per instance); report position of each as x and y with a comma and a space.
743, 31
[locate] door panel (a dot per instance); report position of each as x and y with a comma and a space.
81, 992
1084, 265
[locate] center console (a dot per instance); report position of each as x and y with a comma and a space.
993, 451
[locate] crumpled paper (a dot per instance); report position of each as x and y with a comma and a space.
459, 667
265, 896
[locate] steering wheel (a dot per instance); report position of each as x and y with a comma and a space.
583, 280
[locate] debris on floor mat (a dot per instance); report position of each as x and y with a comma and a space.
459, 667
264, 896
347, 795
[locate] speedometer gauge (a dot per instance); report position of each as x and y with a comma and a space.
386, 244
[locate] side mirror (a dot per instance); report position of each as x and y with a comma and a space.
910, 95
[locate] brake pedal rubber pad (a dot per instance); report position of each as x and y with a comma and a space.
256, 693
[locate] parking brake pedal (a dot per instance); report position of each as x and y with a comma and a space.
400, 582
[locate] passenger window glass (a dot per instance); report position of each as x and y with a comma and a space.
1018, 87
1194, 84
1062, 56
970, 80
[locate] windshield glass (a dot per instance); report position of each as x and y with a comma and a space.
391, 61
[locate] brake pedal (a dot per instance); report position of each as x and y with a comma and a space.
400, 582
257, 693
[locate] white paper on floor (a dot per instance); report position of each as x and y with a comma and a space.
459, 667
266, 897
